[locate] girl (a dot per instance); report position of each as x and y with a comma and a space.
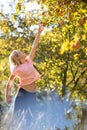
22, 67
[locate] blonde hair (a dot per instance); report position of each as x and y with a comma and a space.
14, 58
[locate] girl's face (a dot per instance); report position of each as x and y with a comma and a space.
22, 56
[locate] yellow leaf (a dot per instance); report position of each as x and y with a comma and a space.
13, 18
5, 29
76, 13
84, 37
85, 49
76, 56
76, 37
85, 26
65, 47
83, 11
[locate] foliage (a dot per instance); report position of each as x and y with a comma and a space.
67, 45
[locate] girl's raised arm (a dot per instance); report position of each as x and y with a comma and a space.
35, 43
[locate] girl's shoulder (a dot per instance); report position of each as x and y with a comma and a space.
29, 60
14, 70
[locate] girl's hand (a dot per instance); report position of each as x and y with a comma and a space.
8, 99
40, 28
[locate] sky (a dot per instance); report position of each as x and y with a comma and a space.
5, 5
8, 6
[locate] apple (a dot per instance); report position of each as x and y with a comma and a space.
62, 23
44, 12
57, 10
43, 23
76, 45
50, 13
81, 21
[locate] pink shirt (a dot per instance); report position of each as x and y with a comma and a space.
26, 73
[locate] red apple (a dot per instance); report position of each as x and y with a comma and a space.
62, 23
43, 23
81, 21
50, 13
43, 13
76, 45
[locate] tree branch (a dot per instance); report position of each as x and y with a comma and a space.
76, 82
